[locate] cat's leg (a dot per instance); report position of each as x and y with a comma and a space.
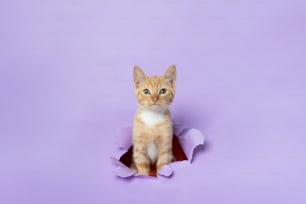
141, 159
133, 166
165, 155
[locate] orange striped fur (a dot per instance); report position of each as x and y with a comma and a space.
152, 130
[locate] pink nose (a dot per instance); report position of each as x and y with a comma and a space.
154, 99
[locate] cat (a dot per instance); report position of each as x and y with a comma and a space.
152, 129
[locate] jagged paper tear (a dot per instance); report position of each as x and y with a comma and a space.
189, 139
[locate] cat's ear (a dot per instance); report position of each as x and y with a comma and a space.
170, 75
139, 76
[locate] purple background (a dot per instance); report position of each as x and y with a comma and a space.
66, 87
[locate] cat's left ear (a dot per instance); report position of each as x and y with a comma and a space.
139, 76
170, 75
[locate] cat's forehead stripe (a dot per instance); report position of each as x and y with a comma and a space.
155, 80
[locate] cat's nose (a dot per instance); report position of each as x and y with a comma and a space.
154, 99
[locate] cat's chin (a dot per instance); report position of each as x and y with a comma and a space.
157, 108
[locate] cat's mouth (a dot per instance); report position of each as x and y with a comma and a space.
157, 107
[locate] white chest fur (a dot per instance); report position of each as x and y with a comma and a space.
152, 118
152, 152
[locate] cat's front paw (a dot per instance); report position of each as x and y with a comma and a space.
159, 167
144, 172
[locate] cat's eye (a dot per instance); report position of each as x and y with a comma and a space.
162, 91
146, 92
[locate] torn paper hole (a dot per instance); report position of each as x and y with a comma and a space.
185, 140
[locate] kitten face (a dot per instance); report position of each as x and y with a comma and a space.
156, 92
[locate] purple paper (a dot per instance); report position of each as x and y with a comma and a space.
188, 138
66, 88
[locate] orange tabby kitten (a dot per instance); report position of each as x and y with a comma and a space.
152, 130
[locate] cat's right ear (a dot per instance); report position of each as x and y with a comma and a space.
139, 76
